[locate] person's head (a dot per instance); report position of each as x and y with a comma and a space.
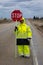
22, 20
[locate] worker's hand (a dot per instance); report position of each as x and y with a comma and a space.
29, 39
15, 28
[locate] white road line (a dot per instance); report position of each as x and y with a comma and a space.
15, 48
35, 61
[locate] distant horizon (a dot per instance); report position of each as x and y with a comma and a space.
26, 18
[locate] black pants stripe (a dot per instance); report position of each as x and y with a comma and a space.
23, 42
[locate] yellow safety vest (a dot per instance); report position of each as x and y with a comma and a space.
24, 31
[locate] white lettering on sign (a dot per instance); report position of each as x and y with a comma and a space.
12, 15
16, 15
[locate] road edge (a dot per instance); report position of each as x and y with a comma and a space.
35, 61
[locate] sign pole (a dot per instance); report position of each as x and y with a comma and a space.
16, 15
15, 43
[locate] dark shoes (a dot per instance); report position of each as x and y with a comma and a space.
25, 56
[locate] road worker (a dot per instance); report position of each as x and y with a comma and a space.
23, 33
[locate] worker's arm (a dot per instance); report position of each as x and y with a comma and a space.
15, 31
16, 28
29, 33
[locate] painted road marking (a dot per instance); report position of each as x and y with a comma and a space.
35, 61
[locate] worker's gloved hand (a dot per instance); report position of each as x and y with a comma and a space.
29, 39
15, 28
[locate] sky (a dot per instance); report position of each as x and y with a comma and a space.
29, 8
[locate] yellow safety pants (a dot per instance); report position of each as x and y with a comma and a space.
24, 50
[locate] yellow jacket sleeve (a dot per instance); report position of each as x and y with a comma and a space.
29, 32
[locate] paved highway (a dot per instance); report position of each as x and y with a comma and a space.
7, 47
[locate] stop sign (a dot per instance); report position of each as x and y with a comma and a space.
16, 15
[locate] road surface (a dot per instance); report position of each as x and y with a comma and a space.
7, 47
7, 40
37, 44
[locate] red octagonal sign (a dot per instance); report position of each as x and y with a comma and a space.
16, 15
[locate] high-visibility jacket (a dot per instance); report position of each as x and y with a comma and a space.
24, 31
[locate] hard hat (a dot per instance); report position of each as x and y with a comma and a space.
22, 19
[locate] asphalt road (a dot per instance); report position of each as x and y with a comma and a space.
7, 47
37, 44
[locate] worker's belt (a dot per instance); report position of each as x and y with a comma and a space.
23, 42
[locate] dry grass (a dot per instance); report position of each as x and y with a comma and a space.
38, 24
5, 21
